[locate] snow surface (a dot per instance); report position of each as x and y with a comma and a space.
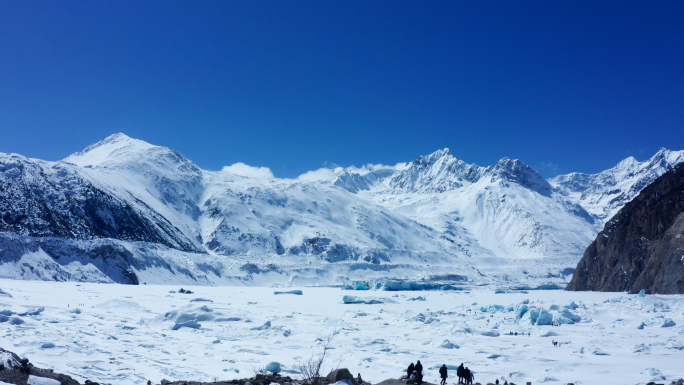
123, 334
36, 380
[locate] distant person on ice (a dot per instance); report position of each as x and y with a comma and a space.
410, 370
443, 374
460, 372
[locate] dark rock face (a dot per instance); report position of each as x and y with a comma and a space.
17, 371
642, 246
340, 374
41, 200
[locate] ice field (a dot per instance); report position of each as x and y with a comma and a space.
125, 334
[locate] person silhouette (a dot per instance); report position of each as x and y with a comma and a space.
443, 374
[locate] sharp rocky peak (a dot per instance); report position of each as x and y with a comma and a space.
435, 157
515, 170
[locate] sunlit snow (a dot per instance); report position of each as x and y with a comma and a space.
124, 334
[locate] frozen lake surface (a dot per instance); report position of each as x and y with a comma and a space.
125, 334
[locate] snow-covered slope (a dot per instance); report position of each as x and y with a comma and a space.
124, 210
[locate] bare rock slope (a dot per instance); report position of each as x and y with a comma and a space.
642, 246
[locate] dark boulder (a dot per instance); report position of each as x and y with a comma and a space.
340, 374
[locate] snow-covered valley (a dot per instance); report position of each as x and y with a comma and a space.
124, 334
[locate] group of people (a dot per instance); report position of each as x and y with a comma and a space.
465, 376
415, 373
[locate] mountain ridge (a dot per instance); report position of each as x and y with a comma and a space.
328, 226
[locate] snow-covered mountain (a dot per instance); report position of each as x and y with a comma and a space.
123, 210
604, 194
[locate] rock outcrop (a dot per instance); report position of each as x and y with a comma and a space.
642, 246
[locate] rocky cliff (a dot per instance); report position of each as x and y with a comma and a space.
642, 246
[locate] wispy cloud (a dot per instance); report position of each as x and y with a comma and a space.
550, 167
249, 171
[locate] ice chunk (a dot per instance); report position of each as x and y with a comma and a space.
47, 345
35, 311
35, 380
571, 316
641, 348
201, 300
553, 307
667, 322
491, 308
490, 333
350, 299
188, 324
120, 304
559, 319
571, 306
642, 293
446, 344
641, 325
544, 318
549, 334
16, 321
2, 292
265, 326
599, 352
397, 285
295, 292
185, 317
520, 310
658, 307
358, 286
273, 367
654, 373
532, 315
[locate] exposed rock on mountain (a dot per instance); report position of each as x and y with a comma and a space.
41, 199
642, 246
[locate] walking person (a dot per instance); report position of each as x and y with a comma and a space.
443, 374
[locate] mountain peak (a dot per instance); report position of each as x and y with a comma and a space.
117, 146
435, 156
517, 171
627, 163
121, 151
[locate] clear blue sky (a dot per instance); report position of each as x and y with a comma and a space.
294, 85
